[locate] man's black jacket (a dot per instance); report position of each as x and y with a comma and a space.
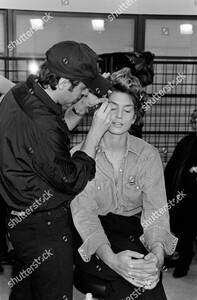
34, 151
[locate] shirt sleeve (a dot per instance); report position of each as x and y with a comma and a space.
85, 217
155, 216
53, 162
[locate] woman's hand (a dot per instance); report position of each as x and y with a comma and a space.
121, 263
141, 272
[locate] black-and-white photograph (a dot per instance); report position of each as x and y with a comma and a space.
98, 149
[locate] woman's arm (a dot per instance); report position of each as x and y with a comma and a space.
155, 215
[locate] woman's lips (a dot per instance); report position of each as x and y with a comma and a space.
117, 124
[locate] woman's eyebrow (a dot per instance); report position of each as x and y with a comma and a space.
113, 102
128, 105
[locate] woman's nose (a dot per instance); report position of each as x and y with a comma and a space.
119, 114
85, 92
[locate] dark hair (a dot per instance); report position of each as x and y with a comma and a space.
46, 77
193, 119
124, 82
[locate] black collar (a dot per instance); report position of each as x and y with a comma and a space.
36, 89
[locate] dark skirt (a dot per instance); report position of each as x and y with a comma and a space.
123, 234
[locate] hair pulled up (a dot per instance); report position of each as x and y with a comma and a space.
123, 81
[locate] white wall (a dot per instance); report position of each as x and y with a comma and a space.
175, 7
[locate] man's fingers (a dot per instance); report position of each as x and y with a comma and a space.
106, 75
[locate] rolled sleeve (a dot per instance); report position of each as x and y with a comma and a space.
155, 215
159, 234
85, 217
91, 244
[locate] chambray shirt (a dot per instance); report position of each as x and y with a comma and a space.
140, 188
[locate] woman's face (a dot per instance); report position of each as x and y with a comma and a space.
123, 113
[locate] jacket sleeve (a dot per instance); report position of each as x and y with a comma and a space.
53, 162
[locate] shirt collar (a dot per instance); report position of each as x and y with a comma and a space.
43, 96
132, 145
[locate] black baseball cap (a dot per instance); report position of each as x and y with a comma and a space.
77, 61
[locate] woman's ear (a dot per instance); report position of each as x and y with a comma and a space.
134, 118
64, 83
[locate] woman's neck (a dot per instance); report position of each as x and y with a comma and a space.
115, 143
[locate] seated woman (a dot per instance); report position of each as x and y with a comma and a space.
122, 215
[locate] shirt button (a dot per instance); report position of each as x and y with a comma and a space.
98, 268
131, 180
31, 150
65, 179
49, 213
98, 187
137, 187
49, 223
65, 239
131, 238
120, 170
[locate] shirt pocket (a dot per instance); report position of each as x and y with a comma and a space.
103, 194
132, 191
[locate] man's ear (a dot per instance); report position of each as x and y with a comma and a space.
64, 83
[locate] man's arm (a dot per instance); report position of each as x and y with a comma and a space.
76, 112
100, 123
5, 85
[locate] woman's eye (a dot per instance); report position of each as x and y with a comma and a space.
127, 111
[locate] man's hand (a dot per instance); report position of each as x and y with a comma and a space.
101, 119
100, 123
87, 102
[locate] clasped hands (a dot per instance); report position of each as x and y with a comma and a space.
140, 270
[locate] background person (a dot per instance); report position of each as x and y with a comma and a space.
127, 189
181, 174
35, 161
5, 86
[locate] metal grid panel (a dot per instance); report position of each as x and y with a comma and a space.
166, 121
